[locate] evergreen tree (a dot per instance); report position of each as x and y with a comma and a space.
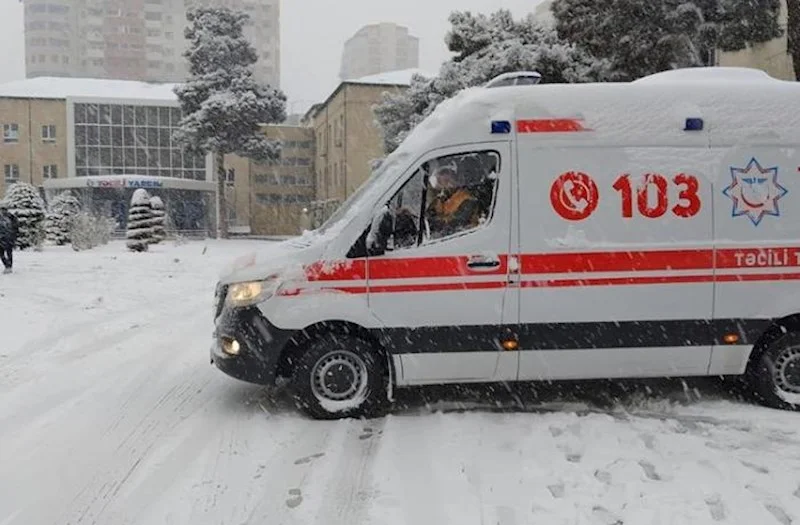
641, 37
793, 34
140, 231
58, 224
158, 220
484, 47
25, 203
223, 106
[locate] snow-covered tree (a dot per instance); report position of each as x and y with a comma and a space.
58, 223
90, 230
158, 219
140, 231
641, 37
793, 34
484, 47
27, 205
223, 105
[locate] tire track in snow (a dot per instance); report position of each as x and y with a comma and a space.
69, 392
134, 448
133, 433
280, 492
348, 484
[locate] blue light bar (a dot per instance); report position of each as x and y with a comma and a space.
501, 126
694, 124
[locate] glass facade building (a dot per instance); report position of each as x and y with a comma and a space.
121, 139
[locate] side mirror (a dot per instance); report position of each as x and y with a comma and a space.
380, 232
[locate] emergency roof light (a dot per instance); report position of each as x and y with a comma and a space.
501, 127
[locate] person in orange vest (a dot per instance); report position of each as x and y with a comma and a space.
454, 208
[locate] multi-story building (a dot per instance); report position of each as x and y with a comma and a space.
133, 39
269, 198
347, 139
379, 48
103, 139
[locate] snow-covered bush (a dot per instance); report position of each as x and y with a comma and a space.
25, 203
158, 220
140, 232
58, 223
88, 231
484, 47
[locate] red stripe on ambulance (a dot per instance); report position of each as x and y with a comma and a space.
531, 265
551, 125
627, 261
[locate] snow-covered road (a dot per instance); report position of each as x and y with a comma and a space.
111, 414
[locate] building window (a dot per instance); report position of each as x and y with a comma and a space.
131, 139
231, 176
11, 172
50, 171
49, 133
10, 133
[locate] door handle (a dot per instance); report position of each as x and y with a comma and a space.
481, 262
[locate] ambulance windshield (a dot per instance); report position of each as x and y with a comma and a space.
350, 205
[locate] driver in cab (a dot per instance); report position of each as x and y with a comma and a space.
453, 208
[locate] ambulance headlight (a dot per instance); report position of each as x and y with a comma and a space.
250, 293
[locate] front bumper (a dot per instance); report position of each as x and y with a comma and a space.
260, 345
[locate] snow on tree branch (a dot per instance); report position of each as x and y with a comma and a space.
484, 47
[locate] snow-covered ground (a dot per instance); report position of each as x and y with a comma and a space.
111, 414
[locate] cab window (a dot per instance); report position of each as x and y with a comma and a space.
446, 196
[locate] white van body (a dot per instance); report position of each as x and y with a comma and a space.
644, 229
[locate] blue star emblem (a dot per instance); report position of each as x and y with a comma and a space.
755, 191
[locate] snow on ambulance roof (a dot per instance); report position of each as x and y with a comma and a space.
63, 88
392, 78
707, 74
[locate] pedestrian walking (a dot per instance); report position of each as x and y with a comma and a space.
9, 228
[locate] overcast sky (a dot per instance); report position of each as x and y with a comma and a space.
313, 33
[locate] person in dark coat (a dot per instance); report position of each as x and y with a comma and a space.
9, 228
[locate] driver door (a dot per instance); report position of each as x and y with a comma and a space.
440, 292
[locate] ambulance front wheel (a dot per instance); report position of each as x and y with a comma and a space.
776, 376
340, 376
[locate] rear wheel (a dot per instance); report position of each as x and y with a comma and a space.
340, 376
776, 375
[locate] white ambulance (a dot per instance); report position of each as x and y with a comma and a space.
544, 232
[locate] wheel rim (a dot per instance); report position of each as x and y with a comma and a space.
787, 370
339, 376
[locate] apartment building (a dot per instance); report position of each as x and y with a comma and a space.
270, 198
379, 48
133, 39
348, 141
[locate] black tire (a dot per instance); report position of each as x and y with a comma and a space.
346, 357
775, 376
